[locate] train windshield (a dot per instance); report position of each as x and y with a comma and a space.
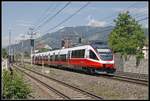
105, 54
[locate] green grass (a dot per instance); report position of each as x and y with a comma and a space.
14, 86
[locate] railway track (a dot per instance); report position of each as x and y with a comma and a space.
133, 75
46, 85
127, 78
81, 94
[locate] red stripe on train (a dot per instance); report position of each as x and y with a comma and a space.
79, 62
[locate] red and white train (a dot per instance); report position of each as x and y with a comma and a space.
87, 57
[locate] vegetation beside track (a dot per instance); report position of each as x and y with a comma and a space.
14, 87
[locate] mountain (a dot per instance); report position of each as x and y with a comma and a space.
87, 33
73, 33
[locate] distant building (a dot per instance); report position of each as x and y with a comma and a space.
66, 43
41, 46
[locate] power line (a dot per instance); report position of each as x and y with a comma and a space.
132, 5
120, 11
40, 18
106, 18
77, 12
54, 15
141, 15
111, 26
69, 17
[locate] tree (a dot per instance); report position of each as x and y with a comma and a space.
43, 50
146, 41
4, 53
127, 37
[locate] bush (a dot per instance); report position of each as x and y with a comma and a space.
14, 87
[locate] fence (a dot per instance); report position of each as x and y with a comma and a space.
130, 65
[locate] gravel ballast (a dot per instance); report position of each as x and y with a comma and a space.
104, 87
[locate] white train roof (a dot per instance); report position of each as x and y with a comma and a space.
63, 51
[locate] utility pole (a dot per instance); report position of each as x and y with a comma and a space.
31, 42
22, 49
15, 53
9, 41
9, 58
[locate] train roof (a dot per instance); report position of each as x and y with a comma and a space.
63, 51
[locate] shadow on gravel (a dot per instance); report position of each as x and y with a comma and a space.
76, 71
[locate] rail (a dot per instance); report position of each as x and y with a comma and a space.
68, 85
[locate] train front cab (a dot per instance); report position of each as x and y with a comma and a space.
104, 66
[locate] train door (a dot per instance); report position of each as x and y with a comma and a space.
68, 56
87, 51
58, 60
49, 56
53, 58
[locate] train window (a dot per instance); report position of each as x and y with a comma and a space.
78, 53
51, 58
40, 58
93, 55
63, 57
43, 58
68, 56
46, 58
56, 57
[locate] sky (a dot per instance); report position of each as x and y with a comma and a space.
18, 17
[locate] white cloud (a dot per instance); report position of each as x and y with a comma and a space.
61, 27
96, 23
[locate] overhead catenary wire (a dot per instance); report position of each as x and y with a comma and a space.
141, 16
120, 12
52, 17
73, 15
41, 18
106, 18
143, 19
107, 29
69, 17
111, 26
